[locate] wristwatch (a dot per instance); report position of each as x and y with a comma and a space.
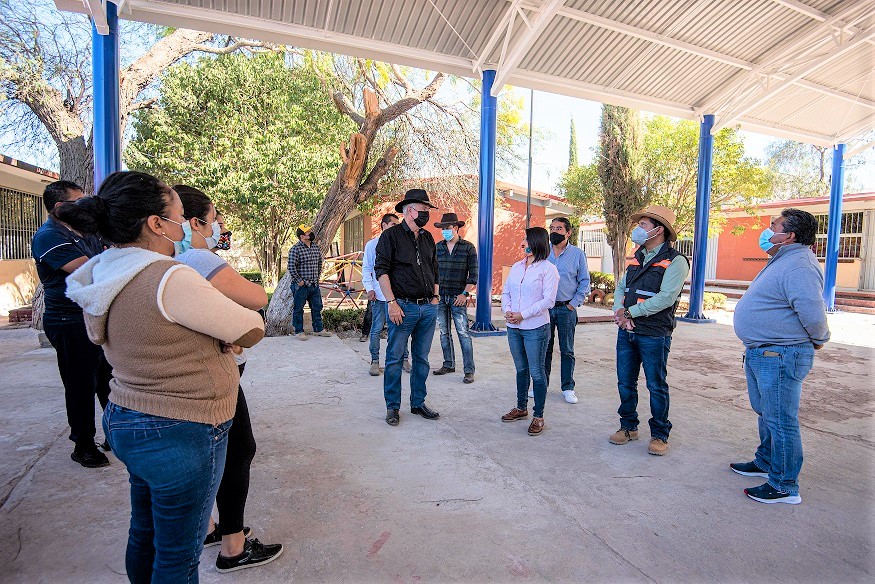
466, 293
626, 314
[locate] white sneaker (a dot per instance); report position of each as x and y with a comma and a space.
531, 393
570, 396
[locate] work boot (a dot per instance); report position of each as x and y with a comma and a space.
407, 366
375, 368
469, 378
658, 447
302, 336
322, 333
444, 370
364, 338
622, 436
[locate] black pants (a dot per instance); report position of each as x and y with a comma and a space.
366, 323
85, 373
234, 488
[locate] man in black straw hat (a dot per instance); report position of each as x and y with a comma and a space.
457, 271
644, 309
407, 270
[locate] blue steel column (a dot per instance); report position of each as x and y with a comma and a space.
700, 234
486, 205
107, 121
834, 226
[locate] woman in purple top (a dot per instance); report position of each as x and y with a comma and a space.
528, 295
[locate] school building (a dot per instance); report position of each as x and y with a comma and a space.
734, 254
21, 214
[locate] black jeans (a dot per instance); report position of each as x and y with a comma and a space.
366, 323
234, 488
85, 373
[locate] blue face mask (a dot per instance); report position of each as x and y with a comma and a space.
528, 250
180, 247
639, 235
766, 239
447, 233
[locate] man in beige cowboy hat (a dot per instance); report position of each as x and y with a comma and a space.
644, 309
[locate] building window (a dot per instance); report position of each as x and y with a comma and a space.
21, 214
593, 242
850, 238
354, 234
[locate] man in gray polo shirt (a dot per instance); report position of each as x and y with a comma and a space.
781, 320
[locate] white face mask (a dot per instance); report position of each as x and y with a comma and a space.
213, 239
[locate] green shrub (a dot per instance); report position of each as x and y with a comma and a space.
252, 276
714, 301
343, 319
602, 281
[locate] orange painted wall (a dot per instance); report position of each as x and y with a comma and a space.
739, 257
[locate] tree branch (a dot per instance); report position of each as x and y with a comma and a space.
345, 107
230, 48
144, 104
369, 186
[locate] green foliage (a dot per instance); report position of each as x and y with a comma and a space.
581, 187
343, 319
671, 151
602, 281
714, 301
572, 147
258, 135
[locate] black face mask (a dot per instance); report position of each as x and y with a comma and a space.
421, 218
312, 237
556, 238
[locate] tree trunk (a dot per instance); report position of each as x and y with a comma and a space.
77, 163
618, 248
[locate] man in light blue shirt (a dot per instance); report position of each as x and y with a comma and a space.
570, 261
375, 313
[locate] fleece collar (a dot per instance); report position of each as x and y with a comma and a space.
98, 281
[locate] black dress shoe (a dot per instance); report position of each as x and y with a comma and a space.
392, 417
425, 412
90, 457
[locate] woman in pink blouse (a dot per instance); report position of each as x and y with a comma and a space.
529, 294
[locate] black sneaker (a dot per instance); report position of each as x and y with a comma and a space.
765, 493
90, 457
254, 554
215, 538
748, 469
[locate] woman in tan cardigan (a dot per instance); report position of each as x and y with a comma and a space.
166, 332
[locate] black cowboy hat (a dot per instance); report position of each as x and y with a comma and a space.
414, 196
448, 220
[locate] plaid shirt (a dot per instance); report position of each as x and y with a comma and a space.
458, 269
305, 263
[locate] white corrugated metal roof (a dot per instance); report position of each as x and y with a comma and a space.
789, 68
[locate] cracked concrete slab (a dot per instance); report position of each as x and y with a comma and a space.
467, 498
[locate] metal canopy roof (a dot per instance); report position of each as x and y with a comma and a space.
781, 67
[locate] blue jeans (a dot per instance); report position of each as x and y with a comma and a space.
774, 385
564, 321
418, 326
379, 318
175, 468
459, 315
312, 295
633, 351
528, 347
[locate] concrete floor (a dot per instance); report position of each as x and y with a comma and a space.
467, 498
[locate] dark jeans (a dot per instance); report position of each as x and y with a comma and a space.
633, 351
85, 373
564, 321
175, 468
368, 319
312, 295
234, 488
458, 315
418, 326
527, 347
774, 385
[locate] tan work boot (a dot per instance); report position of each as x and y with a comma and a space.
302, 336
622, 436
658, 447
322, 333
375, 368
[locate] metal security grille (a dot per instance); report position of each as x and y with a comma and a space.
593, 243
685, 246
850, 240
354, 234
21, 214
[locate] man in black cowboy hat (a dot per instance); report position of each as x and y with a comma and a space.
457, 276
407, 270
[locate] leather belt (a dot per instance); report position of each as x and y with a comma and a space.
416, 300
561, 303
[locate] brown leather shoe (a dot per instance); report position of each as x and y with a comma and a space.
658, 447
536, 427
622, 436
514, 415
